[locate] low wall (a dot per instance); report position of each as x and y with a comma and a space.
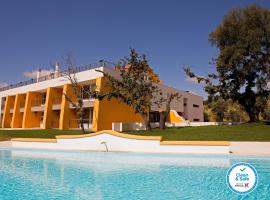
136, 126
5, 144
114, 141
131, 126
202, 124
250, 148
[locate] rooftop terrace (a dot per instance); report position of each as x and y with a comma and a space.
101, 63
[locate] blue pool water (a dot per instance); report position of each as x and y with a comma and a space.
37, 174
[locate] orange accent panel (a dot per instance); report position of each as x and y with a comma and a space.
51, 119
7, 116
65, 110
17, 115
106, 112
31, 119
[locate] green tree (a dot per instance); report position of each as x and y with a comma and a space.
221, 110
136, 86
235, 113
219, 107
243, 62
266, 111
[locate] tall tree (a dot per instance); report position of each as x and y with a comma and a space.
243, 62
136, 86
78, 91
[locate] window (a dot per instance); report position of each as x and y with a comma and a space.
196, 120
86, 89
180, 113
3, 103
43, 100
185, 101
41, 116
195, 106
154, 116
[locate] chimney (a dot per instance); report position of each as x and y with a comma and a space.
56, 69
38, 74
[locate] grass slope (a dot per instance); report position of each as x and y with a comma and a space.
244, 132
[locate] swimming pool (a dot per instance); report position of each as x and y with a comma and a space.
37, 174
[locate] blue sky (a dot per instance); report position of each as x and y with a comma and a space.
171, 33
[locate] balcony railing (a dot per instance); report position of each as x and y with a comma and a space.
37, 102
60, 74
57, 100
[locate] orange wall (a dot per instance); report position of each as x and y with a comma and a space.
7, 116
65, 110
174, 118
17, 115
49, 116
31, 119
106, 112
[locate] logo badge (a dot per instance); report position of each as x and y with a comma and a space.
242, 178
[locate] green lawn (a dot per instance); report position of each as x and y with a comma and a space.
50, 133
244, 132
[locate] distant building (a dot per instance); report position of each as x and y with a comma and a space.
39, 103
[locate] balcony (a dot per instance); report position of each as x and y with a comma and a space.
22, 105
87, 103
37, 105
56, 103
11, 108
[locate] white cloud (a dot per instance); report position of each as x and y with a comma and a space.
33, 74
3, 85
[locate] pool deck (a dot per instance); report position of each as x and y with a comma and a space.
108, 140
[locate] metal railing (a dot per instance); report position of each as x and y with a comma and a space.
101, 63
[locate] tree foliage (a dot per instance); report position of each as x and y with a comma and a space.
243, 62
266, 112
136, 86
220, 110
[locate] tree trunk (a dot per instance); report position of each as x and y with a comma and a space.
252, 112
147, 122
248, 101
162, 120
82, 126
81, 118
164, 114
253, 116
